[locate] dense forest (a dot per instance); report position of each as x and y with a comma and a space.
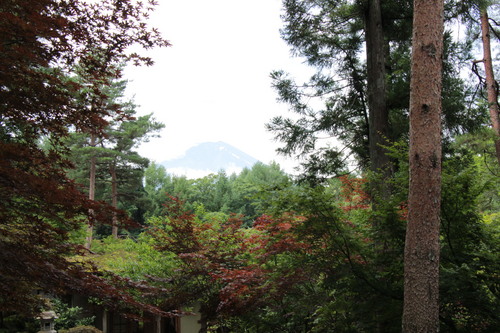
391, 223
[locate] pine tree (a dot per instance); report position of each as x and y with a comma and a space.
421, 260
491, 84
116, 169
356, 105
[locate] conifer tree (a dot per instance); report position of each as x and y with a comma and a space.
115, 168
357, 102
422, 251
491, 84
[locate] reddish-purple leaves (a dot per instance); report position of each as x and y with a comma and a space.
229, 268
41, 44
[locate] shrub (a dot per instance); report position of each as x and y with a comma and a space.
82, 329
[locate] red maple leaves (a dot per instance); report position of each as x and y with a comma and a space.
236, 268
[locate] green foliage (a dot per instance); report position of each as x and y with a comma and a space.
119, 168
369, 234
82, 329
14, 323
330, 121
134, 259
469, 255
336, 266
341, 291
246, 194
158, 183
354, 264
69, 317
259, 252
481, 143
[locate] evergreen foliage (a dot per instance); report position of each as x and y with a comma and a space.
259, 251
331, 112
119, 168
246, 193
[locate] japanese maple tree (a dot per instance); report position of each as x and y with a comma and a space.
41, 41
227, 269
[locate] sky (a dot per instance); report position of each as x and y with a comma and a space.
213, 83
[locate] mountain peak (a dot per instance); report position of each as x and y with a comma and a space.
209, 157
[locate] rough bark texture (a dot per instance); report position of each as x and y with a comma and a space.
93, 161
421, 271
491, 84
376, 86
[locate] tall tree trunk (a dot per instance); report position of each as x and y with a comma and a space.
376, 86
93, 161
421, 257
378, 116
491, 84
114, 198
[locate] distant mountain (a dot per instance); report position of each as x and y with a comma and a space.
209, 157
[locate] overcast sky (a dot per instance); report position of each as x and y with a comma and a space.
213, 83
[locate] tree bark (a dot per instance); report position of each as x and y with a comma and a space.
376, 87
93, 161
114, 198
491, 84
421, 257
378, 115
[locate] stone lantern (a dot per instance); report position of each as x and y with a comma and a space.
47, 319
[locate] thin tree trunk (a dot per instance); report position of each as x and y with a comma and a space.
376, 87
491, 84
421, 261
203, 322
114, 199
93, 161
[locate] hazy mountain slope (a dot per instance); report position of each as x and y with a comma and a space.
209, 157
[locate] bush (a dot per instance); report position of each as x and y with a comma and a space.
18, 324
82, 329
69, 316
